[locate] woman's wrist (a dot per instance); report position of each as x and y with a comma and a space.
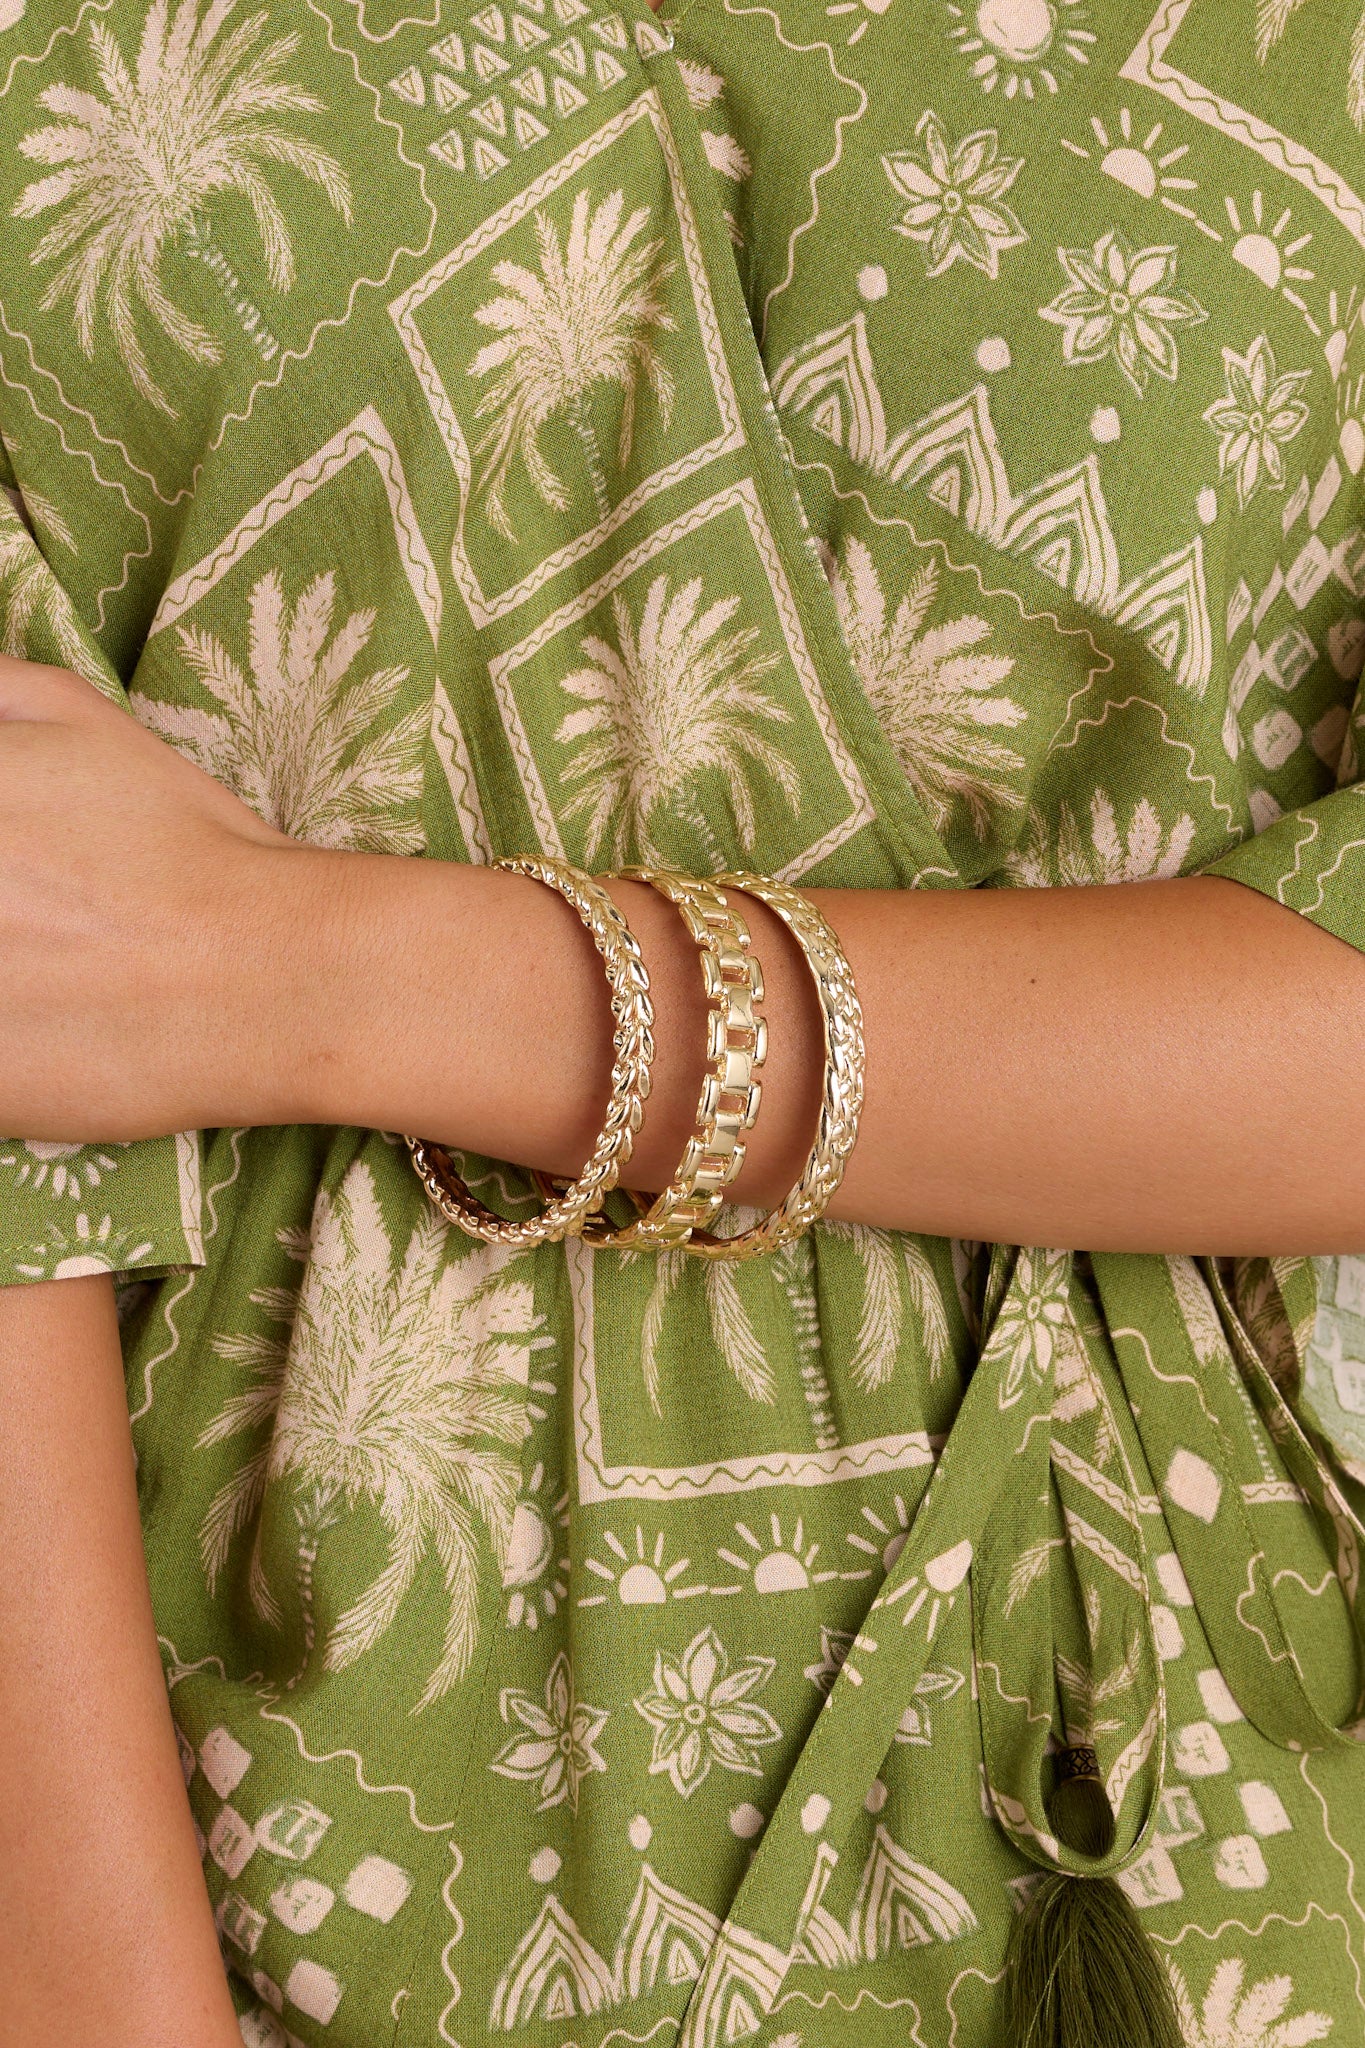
470, 1006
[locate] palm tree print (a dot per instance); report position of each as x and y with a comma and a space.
299, 735
38, 621
1272, 20
1237, 2015
675, 698
934, 690
134, 169
1057, 854
587, 317
393, 1386
896, 1276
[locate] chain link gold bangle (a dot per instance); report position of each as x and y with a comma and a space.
633, 1012
737, 1040
845, 1063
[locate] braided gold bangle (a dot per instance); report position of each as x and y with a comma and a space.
736, 1045
845, 1063
565, 1214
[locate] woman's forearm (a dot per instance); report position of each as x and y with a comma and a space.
105, 1929
1157, 1067
1154, 1067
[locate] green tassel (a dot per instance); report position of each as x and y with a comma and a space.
1082, 1973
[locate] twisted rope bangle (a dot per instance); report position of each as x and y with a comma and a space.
567, 1211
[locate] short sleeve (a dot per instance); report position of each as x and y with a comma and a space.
67, 1209
1313, 859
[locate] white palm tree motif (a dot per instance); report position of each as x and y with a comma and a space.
299, 737
1236, 2017
131, 171
1273, 18
33, 605
677, 697
393, 1387
587, 317
933, 690
896, 1274
736, 1338
1054, 853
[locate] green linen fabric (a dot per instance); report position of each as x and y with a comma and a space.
890, 443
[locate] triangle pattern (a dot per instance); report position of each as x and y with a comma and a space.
487, 158
490, 23
570, 10
568, 99
526, 128
527, 34
450, 52
490, 114
488, 63
448, 149
610, 71
611, 29
447, 91
410, 86
530, 86
571, 56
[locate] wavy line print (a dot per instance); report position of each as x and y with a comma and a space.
821, 170
1104, 663
84, 455
457, 1936
1060, 746
331, 1756
1351, 846
1313, 1911
40, 57
1148, 66
179, 1670
1023, 1699
850, 2005
377, 284
624, 2034
987, 1977
83, 412
163, 1357
1329, 1578
1346, 1858
408, 21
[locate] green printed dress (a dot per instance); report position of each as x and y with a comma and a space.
887, 443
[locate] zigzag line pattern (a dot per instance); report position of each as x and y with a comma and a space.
1060, 525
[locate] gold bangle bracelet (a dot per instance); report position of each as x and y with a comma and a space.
565, 1214
845, 1065
737, 1042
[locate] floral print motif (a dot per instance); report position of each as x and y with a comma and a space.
1035, 1328
561, 1748
957, 208
1256, 416
702, 1713
1123, 303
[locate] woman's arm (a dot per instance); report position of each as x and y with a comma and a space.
1155, 1067
105, 1931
